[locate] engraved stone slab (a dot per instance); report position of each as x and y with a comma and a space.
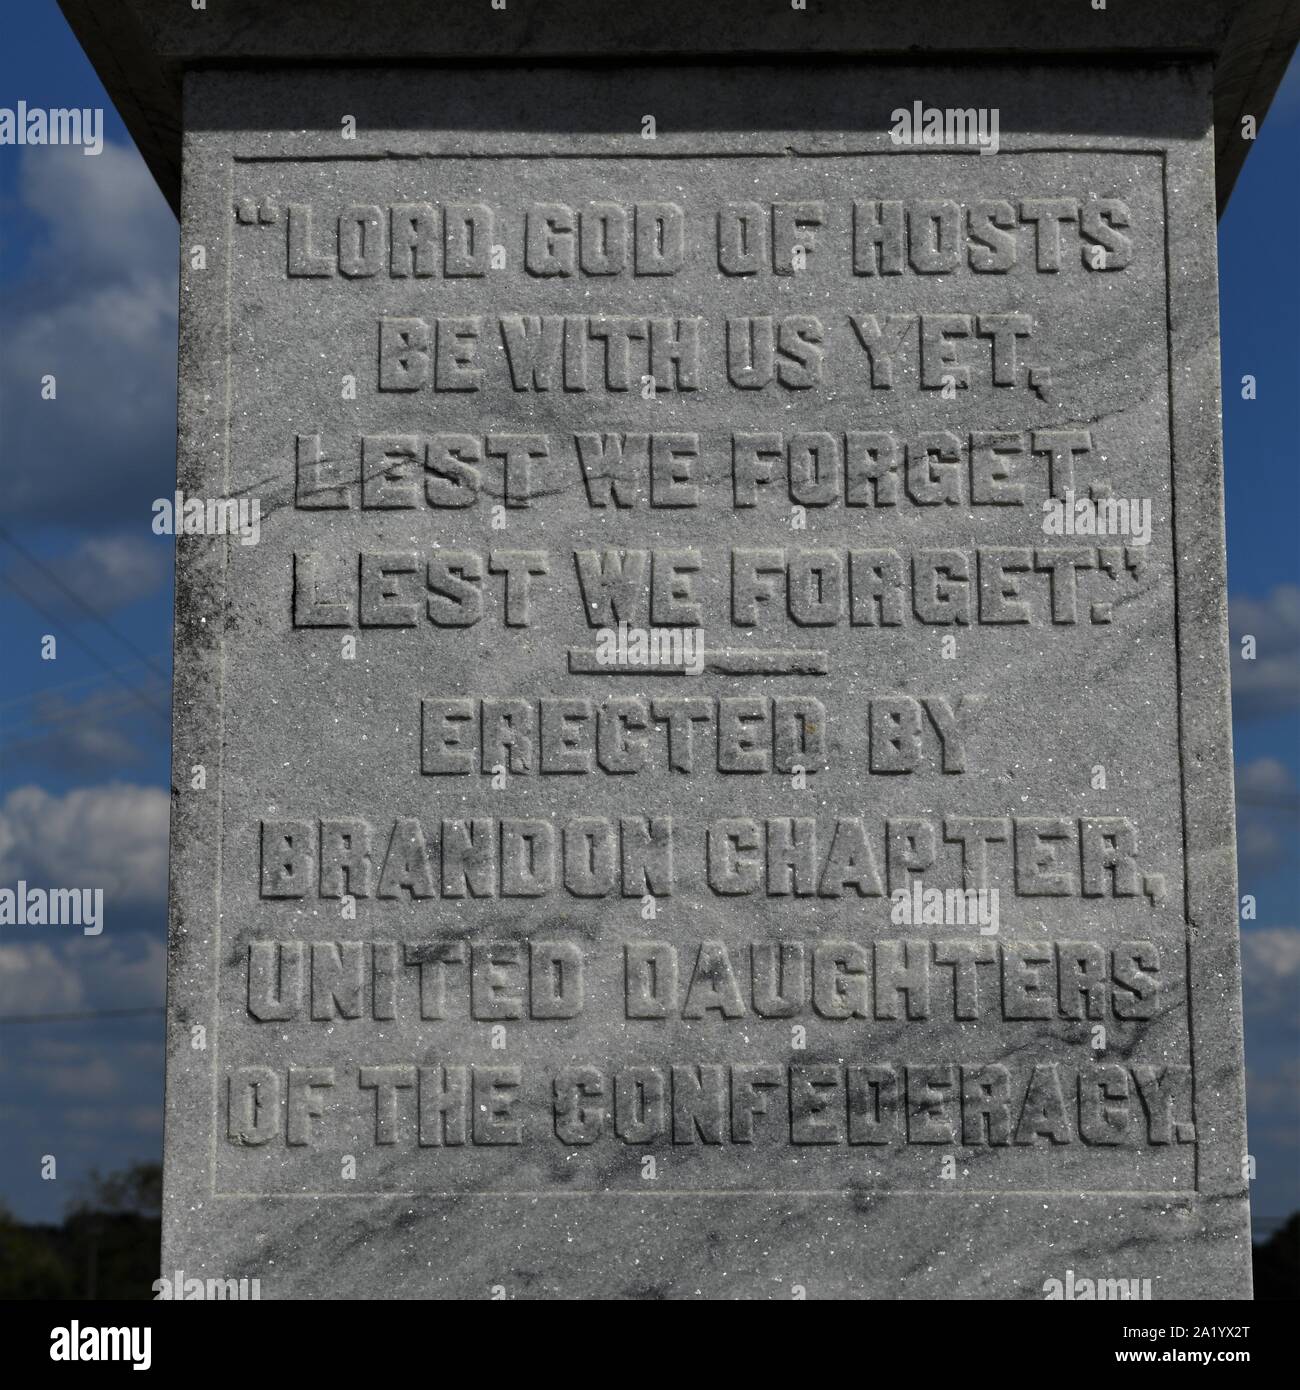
706, 770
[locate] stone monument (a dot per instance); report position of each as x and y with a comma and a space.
702, 759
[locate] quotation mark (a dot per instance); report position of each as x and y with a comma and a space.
250, 212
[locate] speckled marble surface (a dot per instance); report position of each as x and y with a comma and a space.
402, 1091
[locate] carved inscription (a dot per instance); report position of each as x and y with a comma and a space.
694, 604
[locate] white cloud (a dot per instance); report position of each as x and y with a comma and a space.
137, 1119
1270, 683
1270, 972
94, 1078
1273, 1101
96, 309
1266, 801
34, 979
1265, 777
101, 213
124, 974
1260, 847
82, 736
112, 837
76, 974
104, 572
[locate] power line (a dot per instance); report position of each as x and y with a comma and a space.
85, 646
96, 678
80, 602
1276, 803
41, 727
85, 1015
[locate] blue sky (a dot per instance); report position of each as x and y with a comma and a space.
1259, 301
88, 284
88, 292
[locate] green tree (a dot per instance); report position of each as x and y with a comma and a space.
30, 1263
